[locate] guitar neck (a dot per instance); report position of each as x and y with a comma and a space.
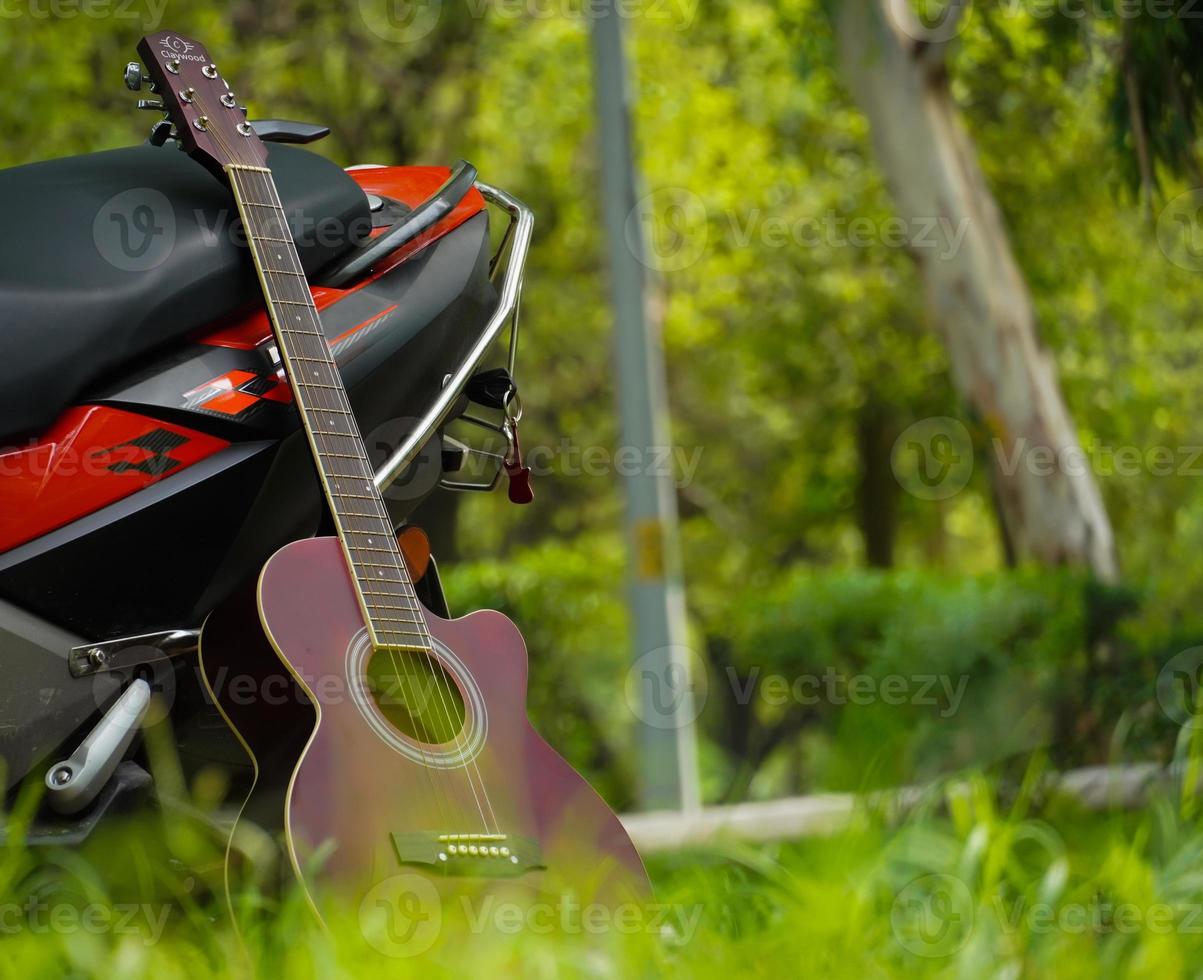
390, 604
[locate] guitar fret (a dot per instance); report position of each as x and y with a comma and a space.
394, 612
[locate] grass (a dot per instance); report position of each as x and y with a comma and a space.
963, 887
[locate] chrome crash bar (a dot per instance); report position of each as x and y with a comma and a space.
518, 235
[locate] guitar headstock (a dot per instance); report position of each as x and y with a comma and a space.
208, 122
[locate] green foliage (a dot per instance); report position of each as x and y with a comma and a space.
842, 680
979, 877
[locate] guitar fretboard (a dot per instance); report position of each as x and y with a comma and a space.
390, 604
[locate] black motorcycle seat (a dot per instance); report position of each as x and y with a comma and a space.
107, 256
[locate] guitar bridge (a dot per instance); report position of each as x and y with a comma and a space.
470, 855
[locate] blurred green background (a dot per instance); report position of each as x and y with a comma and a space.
797, 364
794, 365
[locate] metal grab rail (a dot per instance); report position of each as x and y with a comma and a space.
521, 224
424, 217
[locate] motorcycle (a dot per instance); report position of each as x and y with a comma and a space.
150, 457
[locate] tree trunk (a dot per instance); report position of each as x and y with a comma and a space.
976, 293
878, 490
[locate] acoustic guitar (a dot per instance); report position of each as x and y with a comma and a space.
406, 754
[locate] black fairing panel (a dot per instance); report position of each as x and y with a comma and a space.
164, 557
111, 255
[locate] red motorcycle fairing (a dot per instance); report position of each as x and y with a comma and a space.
98, 454
91, 457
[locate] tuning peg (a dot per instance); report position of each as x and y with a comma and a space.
134, 76
161, 132
151, 104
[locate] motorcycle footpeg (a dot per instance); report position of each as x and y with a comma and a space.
76, 781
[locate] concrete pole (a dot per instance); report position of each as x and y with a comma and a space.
660, 690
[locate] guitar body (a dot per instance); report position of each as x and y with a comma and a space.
362, 802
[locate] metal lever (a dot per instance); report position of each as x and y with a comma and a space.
75, 782
287, 131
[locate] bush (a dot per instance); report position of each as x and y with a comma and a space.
844, 679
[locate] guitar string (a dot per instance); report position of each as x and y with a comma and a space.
324, 444
241, 196
343, 410
238, 177
442, 683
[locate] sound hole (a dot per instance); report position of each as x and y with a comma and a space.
416, 695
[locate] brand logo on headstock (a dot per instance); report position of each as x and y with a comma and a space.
177, 47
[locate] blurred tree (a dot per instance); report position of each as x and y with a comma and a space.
977, 295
